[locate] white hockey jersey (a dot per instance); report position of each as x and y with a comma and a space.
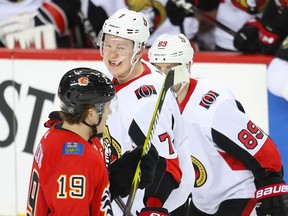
233, 16
224, 146
277, 77
136, 102
9, 9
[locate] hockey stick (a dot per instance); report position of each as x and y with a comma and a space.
88, 29
176, 75
121, 205
192, 9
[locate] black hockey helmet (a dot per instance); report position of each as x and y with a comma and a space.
84, 86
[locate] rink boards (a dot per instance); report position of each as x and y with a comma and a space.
28, 86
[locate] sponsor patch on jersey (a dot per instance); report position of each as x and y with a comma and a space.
145, 91
208, 99
73, 148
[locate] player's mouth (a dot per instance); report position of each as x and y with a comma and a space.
114, 63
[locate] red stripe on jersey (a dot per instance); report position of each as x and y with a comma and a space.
118, 86
192, 86
57, 16
232, 162
172, 166
249, 207
269, 157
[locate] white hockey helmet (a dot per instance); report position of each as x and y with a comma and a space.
128, 24
171, 49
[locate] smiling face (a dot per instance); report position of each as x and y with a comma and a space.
117, 54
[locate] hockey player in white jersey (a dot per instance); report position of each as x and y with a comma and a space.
237, 165
266, 34
277, 72
137, 85
234, 14
40, 24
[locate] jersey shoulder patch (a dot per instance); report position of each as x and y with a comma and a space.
75, 148
145, 91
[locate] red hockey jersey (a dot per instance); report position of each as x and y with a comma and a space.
68, 177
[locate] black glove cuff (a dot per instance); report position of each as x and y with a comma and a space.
282, 52
269, 181
162, 185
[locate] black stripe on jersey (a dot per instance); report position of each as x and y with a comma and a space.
239, 106
136, 134
173, 122
262, 177
162, 177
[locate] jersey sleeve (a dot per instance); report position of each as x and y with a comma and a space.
234, 132
36, 202
102, 194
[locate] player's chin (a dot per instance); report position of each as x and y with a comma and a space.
115, 70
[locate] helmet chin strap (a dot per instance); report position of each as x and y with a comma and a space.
94, 128
183, 84
132, 68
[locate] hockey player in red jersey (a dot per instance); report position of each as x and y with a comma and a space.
121, 171
69, 175
122, 44
237, 165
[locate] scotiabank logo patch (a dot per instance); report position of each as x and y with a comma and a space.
145, 91
208, 99
272, 190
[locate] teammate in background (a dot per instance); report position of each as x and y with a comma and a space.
177, 13
229, 152
27, 22
234, 14
137, 85
85, 96
165, 17
277, 72
264, 35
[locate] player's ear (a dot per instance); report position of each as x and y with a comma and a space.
139, 54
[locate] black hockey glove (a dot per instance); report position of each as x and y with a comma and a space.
70, 9
246, 39
177, 14
269, 40
121, 172
272, 197
282, 51
254, 37
54, 117
148, 211
148, 165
